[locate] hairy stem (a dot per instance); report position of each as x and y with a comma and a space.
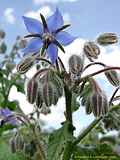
39, 146
35, 135
68, 98
94, 63
68, 114
90, 127
98, 72
87, 130
114, 93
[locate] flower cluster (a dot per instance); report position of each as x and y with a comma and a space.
45, 88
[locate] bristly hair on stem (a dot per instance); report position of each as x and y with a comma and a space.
98, 72
113, 95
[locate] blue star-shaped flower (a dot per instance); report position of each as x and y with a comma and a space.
49, 35
5, 113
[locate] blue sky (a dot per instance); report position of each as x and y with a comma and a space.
87, 17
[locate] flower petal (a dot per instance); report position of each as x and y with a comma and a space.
52, 52
55, 21
33, 25
65, 38
33, 46
5, 112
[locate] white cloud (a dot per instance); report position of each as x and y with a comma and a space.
66, 17
9, 15
37, 2
46, 11
110, 55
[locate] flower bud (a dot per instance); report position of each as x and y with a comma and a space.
39, 98
10, 66
25, 64
50, 94
113, 77
3, 47
19, 142
2, 34
16, 143
50, 88
96, 101
32, 88
12, 145
88, 106
58, 84
27, 149
99, 104
45, 110
30, 148
91, 50
75, 66
107, 39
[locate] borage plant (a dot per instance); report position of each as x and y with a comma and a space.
52, 81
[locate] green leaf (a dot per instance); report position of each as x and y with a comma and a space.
20, 87
101, 151
18, 82
6, 127
1, 98
12, 105
58, 142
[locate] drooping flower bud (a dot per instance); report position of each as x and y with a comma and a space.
113, 77
30, 148
25, 64
19, 142
88, 106
16, 143
32, 88
45, 110
49, 89
107, 39
91, 50
39, 98
75, 66
99, 104
58, 84
50, 94
12, 145
96, 101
